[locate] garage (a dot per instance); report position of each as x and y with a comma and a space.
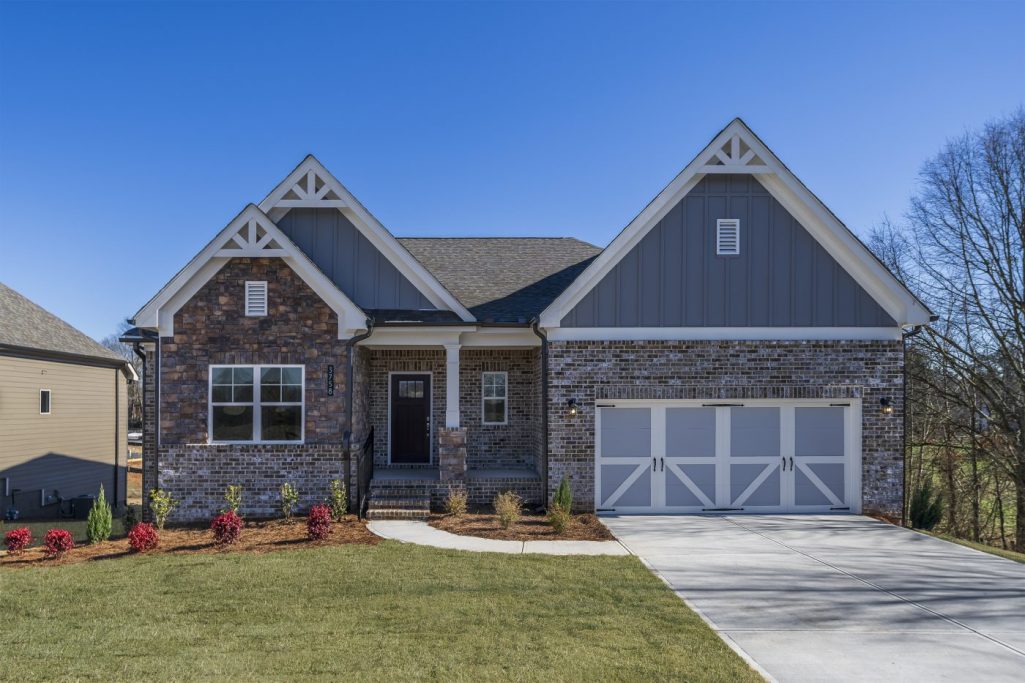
753, 456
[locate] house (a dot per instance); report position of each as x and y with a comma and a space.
63, 412
735, 347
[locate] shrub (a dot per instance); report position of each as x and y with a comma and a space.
17, 540
58, 542
233, 497
161, 504
143, 537
339, 500
926, 508
559, 518
100, 520
508, 507
227, 527
289, 499
456, 502
131, 518
318, 524
563, 496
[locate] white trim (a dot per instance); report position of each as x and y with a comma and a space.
261, 237
256, 403
311, 170
49, 402
452, 386
430, 414
833, 235
417, 336
504, 399
722, 333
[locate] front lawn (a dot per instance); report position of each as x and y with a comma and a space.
390, 612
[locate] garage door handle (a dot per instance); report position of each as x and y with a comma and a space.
662, 464
791, 464
784, 459
654, 464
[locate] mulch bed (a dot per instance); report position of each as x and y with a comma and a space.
530, 527
257, 537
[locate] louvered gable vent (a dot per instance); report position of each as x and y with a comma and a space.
727, 237
256, 298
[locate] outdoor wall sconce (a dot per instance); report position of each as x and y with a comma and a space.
572, 403
885, 406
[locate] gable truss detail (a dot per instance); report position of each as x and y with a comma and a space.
311, 191
252, 239
734, 156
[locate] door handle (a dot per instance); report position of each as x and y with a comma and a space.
791, 463
662, 464
784, 459
654, 463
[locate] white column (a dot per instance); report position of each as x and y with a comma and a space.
452, 386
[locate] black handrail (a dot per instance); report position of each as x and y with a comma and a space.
364, 473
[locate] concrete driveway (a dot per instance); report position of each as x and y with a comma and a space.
841, 598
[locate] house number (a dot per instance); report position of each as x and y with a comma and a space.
330, 380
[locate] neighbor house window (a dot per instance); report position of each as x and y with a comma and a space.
727, 237
495, 398
258, 403
44, 401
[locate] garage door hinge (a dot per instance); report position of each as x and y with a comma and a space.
604, 405
721, 509
838, 508
839, 405
722, 405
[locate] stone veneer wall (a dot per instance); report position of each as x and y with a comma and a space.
590, 371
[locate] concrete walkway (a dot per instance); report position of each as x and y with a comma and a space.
422, 533
841, 598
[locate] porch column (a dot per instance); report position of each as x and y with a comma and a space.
452, 386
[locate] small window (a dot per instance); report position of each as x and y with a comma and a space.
727, 237
256, 298
256, 403
44, 401
495, 398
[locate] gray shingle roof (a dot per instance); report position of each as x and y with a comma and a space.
25, 324
503, 279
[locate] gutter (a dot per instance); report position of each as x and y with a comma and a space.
349, 352
544, 406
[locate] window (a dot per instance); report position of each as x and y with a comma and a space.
495, 398
256, 298
257, 403
44, 401
727, 237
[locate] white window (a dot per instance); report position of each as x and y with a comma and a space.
495, 398
44, 401
256, 403
727, 237
256, 298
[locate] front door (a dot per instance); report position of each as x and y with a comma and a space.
410, 427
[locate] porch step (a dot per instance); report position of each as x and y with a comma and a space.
399, 499
400, 503
389, 513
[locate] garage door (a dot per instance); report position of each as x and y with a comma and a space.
757, 456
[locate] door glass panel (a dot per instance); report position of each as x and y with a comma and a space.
690, 432
625, 432
754, 432
819, 431
678, 494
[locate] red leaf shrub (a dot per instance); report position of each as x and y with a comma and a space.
227, 527
143, 537
318, 524
58, 542
17, 540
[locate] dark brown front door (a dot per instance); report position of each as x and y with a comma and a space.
411, 419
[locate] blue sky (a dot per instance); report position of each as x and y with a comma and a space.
131, 133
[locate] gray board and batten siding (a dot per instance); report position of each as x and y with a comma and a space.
352, 262
782, 277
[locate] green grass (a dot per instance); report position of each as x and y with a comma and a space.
992, 550
390, 612
77, 527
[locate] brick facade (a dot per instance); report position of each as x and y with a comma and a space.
590, 371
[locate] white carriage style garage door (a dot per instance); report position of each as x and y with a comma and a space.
750, 456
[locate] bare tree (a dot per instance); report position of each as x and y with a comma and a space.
134, 388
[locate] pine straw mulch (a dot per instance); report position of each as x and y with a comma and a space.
258, 537
530, 527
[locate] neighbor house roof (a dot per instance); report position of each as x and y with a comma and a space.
503, 279
27, 325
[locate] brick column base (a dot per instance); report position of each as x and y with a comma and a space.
452, 454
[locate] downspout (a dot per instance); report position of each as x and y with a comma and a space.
544, 407
350, 353
117, 431
141, 353
907, 422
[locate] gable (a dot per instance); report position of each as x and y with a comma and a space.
782, 277
350, 260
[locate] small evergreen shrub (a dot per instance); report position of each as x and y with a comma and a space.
563, 497
58, 542
17, 540
143, 537
161, 504
509, 508
318, 524
456, 503
926, 508
100, 521
339, 501
558, 518
227, 527
289, 499
131, 518
233, 497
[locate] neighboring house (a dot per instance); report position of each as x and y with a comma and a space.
735, 347
63, 412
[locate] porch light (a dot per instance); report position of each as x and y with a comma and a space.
885, 406
572, 403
